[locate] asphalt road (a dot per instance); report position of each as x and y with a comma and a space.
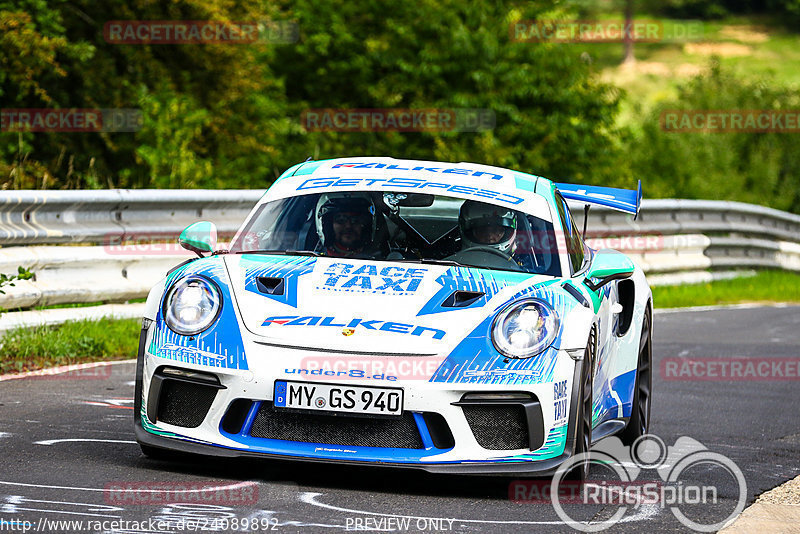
66, 447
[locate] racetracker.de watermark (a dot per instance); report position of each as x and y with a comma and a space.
160, 493
391, 368
604, 31
398, 120
162, 243
70, 120
730, 121
725, 369
199, 32
86, 371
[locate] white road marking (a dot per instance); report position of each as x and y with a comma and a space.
237, 485
61, 369
52, 441
13, 501
745, 306
17, 509
646, 511
19, 499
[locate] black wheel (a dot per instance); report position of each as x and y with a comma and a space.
583, 432
639, 423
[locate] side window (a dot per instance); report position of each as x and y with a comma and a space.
575, 247
578, 246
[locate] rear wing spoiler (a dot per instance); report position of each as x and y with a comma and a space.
627, 200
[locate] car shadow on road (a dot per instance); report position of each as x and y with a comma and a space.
324, 476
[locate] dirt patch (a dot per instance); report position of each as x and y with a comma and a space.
744, 34
717, 49
687, 70
646, 67
656, 68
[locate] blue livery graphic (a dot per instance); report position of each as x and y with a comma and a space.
469, 279
221, 344
288, 268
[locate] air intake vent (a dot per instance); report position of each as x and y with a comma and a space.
499, 427
235, 416
401, 433
184, 403
270, 285
462, 299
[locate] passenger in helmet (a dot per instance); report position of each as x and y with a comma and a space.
487, 225
346, 224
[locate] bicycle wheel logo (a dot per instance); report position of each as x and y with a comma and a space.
690, 483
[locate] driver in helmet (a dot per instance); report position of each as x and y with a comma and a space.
346, 224
487, 225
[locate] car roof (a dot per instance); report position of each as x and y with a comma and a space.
496, 185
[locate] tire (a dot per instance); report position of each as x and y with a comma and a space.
639, 423
583, 431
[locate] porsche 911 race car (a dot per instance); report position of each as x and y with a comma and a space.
441, 316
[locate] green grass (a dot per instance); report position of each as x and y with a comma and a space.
27, 349
766, 286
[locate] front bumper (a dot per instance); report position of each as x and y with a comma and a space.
465, 456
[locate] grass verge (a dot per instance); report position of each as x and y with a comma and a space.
27, 349
766, 286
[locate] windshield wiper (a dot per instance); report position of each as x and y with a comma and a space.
281, 252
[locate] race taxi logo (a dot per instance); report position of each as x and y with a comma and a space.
391, 280
371, 324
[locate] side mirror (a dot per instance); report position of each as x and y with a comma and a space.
199, 237
608, 265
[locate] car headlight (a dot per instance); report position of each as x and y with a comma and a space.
192, 305
525, 328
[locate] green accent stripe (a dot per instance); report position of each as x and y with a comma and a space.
308, 168
525, 182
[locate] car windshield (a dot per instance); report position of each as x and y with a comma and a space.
403, 227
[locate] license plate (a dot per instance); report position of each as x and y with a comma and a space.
338, 398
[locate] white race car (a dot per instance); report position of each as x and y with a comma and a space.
441, 316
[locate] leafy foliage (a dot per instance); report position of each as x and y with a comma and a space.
760, 168
229, 116
8, 280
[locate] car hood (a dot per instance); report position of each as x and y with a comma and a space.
373, 307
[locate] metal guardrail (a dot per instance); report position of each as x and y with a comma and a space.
675, 241
105, 216
740, 235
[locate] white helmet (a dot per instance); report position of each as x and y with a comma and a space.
487, 225
358, 204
